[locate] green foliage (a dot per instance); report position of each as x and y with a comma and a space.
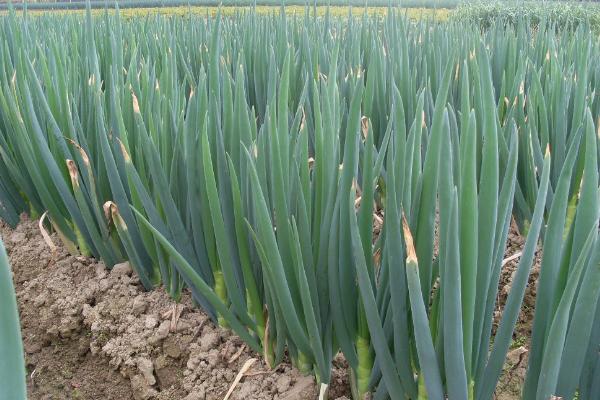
326, 183
559, 14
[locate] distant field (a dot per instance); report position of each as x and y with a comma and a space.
415, 9
413, 13
231, 3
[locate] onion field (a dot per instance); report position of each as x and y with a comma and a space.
323, 185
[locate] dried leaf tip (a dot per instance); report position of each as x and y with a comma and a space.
111, 212
73, 173
124, 151
522, 87
82, 153
84, 156
364, 124
303, 122
547, 154
46, 237
107, 207
136, 105
411, 255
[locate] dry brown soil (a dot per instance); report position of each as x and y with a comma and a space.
515, 368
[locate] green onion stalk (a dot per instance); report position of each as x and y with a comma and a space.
12, 358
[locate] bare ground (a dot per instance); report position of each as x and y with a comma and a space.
513, 375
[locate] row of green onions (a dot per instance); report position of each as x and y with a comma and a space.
326, 184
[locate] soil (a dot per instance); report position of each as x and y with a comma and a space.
91, 333
515, 368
